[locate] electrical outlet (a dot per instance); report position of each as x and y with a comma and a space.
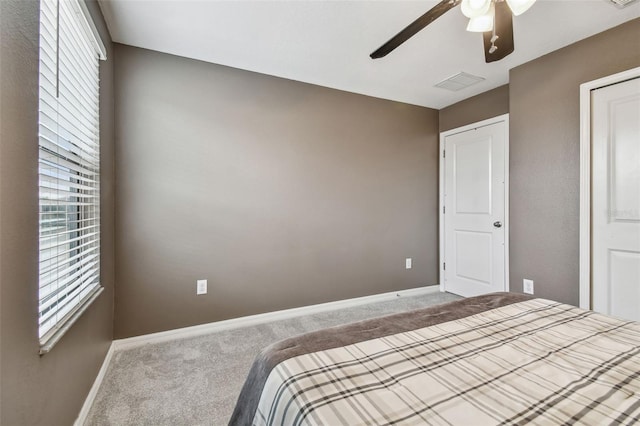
527, 286
407, 263
201, 287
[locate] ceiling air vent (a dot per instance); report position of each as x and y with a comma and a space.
621, 3
461, 80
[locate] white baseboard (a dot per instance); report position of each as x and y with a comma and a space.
198, 330
88, 402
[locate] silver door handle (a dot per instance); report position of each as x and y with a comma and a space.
497, 224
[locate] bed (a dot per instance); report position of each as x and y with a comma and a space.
494, 359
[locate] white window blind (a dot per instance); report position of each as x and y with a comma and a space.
69, 166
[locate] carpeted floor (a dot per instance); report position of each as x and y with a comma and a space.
196, 381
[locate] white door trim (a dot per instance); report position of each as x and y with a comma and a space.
585, 176
501, 118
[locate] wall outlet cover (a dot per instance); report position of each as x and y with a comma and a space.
527, 286
201, 287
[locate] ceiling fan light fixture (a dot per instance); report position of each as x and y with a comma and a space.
483, 23
475, 8
518, 7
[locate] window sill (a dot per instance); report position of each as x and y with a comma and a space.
50, 341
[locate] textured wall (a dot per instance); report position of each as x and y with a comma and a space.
51, 389
489, 104
545, 154
281, 194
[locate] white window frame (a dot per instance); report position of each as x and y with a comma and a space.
69, 167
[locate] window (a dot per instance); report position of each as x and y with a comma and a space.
68, 166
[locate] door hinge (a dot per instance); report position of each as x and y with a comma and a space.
444, 209
444, 266
444, 154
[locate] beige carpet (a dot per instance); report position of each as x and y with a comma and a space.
196, 381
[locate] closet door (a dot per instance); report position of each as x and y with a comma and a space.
616, 199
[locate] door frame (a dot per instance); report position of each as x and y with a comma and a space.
585, 176
441, 215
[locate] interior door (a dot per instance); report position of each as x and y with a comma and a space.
474, 210
616, 199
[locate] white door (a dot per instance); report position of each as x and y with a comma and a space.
474, 210
616, 199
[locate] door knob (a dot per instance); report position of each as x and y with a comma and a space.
497, 224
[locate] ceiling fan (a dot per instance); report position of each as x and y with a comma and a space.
493, 18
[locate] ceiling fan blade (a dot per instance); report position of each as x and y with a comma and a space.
503, 25
404, 35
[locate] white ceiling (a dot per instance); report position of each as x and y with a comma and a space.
328, 42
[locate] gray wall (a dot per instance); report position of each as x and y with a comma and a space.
51, 389
545, 154
281, 194
489, 104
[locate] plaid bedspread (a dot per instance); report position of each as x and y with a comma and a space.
533, 362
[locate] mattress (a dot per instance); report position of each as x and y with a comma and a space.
493, 359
